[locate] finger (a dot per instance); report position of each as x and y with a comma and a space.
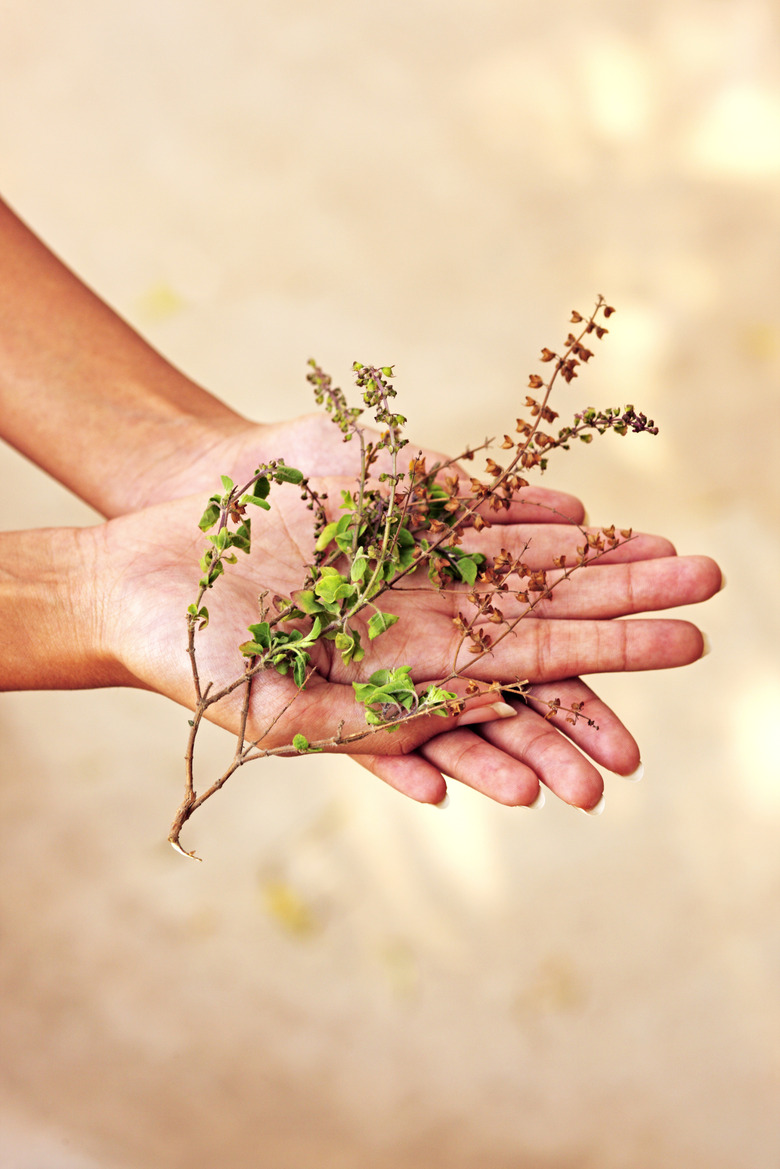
621, 590
412, 775
467, 757
535, 505
490, 759
532, 504
549, 650
538, 745
587, 721
537, 545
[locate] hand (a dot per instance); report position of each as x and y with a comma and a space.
139, 431
144, 567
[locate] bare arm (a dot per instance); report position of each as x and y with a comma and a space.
81, 393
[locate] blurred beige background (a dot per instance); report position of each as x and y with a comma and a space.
350, 980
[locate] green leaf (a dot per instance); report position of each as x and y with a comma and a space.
215, 571
325, 536
299, 669
261, 633
334, 588
301, 743
348, 645
434, 695
358, 569
209, 517
307, 601
242, 537
257, 501
314, 632
380, 623
252, 649
227, 483
284, 474
467, 569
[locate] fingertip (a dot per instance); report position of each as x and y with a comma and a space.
539, 802
485, 712
411, 775
597, 809
636, 774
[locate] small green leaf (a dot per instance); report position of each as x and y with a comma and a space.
435, 695
380, 623
256, 501
299, 669
209, 517
301, 743
325, 536
358, 569
334, 587
252, 649
307, 601
227, 483
313, 633
261, 633
467, 569
242, 537
284, 474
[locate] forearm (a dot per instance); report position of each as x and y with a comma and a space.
49, 629
81, 393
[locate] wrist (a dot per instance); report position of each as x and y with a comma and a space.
49, 614
158, 431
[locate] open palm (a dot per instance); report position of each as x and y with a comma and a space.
149, 571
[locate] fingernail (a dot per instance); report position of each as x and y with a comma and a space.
722, 582
539, 802
445, 803
487, 713
595, 811
707, 646
635, 776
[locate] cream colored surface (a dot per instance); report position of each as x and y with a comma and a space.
350, 980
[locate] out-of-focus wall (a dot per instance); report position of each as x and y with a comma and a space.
351, 979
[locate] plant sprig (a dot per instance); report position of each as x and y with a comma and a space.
394, 525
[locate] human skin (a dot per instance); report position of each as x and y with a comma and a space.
88, 400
